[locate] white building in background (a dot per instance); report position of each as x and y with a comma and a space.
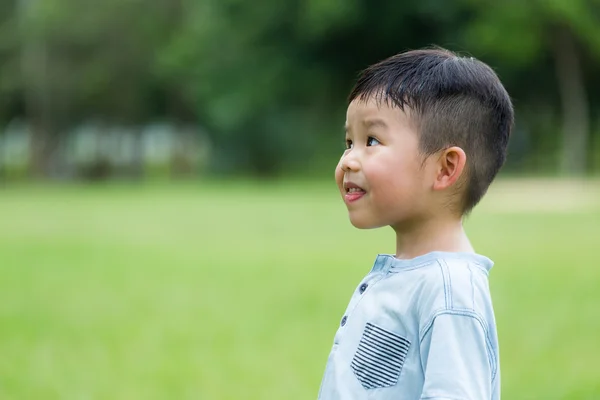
15, 144
157, 146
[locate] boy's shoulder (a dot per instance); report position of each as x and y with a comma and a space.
445, 283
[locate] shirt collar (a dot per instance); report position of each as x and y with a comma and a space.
388, 262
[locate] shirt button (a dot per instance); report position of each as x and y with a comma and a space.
344, 319
363, 287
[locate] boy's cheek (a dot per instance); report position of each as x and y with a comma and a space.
339, 175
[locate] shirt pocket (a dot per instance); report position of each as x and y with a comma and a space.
379, 358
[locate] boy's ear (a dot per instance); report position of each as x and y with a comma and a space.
449, 168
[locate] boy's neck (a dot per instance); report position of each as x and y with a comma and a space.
446, 235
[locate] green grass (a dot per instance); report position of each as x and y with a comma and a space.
205, 291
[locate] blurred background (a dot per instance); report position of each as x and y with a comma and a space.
169, 226
188, 88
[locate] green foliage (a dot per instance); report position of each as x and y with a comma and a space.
267, 79
519, 31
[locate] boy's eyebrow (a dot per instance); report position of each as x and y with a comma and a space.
369, 123
375, 123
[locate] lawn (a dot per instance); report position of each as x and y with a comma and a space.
234, 291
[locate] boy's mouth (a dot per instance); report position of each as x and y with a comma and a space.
353, 192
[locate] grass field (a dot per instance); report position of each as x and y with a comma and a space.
206, 291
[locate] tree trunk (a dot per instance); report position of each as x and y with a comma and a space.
575, 106
34, 73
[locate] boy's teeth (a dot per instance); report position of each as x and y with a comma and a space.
353, 190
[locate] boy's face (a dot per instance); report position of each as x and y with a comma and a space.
381, 175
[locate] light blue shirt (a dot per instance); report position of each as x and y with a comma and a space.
417, 329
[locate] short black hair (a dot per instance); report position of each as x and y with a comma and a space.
454, 101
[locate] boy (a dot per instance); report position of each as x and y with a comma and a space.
426, 133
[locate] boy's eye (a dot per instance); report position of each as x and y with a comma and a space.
348, 144
371, 141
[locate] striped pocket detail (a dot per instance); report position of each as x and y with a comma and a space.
379, 358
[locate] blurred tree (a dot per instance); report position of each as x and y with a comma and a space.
247, 74
82, 59
9, 62
268, 79
522, 32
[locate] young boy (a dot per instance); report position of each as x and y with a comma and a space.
426, 133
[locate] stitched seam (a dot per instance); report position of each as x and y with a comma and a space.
481, 267
417, 266
445, 284
395, 270
472, 286
440, 398
467, 313
449, 284
429, 323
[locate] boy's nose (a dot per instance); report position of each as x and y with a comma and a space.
350, 163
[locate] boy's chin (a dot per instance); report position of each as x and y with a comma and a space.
363, 223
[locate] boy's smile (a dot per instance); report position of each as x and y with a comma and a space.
353, 192
381, 176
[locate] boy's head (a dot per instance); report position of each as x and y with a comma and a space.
425, 129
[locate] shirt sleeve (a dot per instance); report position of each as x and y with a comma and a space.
455, 358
